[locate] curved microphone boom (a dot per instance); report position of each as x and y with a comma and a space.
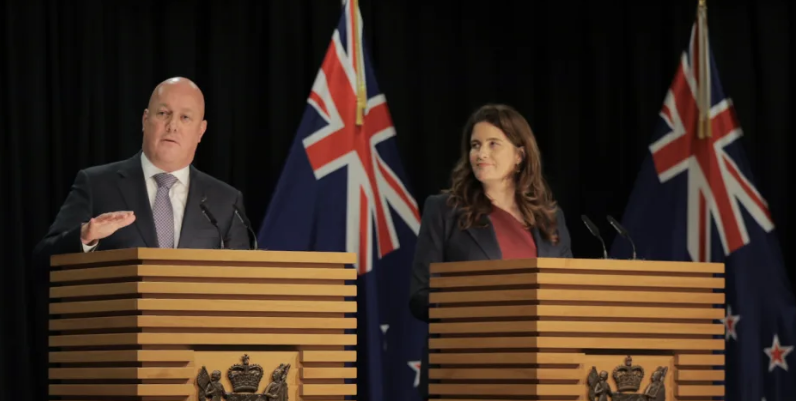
595, 232
623, 232
246, 224
211, 219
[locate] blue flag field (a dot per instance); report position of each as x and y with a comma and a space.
343, 189
695, 199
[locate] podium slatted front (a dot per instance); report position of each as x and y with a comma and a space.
533, 329
142, 323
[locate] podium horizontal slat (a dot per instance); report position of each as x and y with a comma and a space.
85, 340
549, 326
575, 343
585, 280
121, 356
699, 360
699, 391
506, 389
132, 390
328, 389
513, 358
641, 266
204, 256
120, 373
708, 298
178, 288
328, 356
700, 375
223, 305
505, 374
328, 373
576, 311
137, 321
206, 272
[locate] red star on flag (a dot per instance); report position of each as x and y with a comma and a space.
730, 321
777, 353
415, 365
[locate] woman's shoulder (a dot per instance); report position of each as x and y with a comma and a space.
438, 204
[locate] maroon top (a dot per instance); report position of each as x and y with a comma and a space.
514, 239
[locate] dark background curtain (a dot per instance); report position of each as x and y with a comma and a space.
590, 76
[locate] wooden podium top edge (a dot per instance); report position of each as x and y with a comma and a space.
580, 264
202, 255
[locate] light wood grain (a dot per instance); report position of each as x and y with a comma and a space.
201, 305
120, 356
601, 280
132, 390
642, 266
120, 373
699, 391
197, 271
200, 338
550, 326
312, 290
328, 389
512, 358
505, 374
660, 313
139, 321
700, 375
575, 343
328, 356
682, 360
328, 373
202, 255
506, 389
585, 295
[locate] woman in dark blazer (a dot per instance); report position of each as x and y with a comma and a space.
498, 207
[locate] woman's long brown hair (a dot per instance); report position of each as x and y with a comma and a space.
533, 195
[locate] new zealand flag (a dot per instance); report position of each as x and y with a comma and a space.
343, 189
695, 200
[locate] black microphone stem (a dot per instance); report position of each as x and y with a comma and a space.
623, 232
248, 227
212, 220
595, 232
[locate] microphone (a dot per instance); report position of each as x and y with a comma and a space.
211, 219
595, 232
246, 224
623, 232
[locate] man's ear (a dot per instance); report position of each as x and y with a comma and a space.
144, 118
202, 130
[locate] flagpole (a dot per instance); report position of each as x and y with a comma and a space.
704, 71
360, 63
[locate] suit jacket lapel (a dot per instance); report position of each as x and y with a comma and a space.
485, 238
192, 216
543, 246
133, 189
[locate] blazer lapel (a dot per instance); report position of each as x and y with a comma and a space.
544, 248
191, 220
133, 189
486, 239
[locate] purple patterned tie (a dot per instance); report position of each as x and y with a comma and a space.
162, 212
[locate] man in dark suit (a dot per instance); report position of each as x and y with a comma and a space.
152, 199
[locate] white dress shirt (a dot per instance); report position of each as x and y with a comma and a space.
178, 194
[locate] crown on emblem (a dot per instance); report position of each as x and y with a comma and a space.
245, 378
627, 377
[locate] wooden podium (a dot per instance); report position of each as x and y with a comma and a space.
546, 329
154, 324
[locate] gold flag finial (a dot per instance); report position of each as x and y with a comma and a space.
359, 65
703, 71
